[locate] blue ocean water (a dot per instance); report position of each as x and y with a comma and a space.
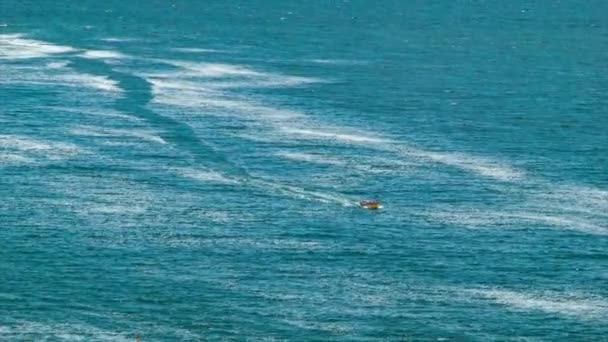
190, 171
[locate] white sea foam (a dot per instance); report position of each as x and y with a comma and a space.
57, 65
26, 144
13, 158
336, 61
15, 46
516, 218
16, 149
571, 223
311, 158
193, 95
253, 109
478, 165
103, 54
579, 306
58, 74
197, 50
97, 111
86, 80
576, 198
202, 69
24, 330
186, 88
301, 193
225, 76
117, 40
264, 244
374, 165
131, 209
207, 175
353, 138
146, 135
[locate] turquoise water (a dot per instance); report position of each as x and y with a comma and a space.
190, 171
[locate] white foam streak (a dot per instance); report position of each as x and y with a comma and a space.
577, 198
582, 307
86, 80
22, 149
474, 218
192, 95
310, 158
477, 165
212, 176
98, 112
102, 54
336, 61
225, 76
12, 158
22, 143
565, 222
57, 65
213, 69
300, 193
207, 176
146, 135
117, 39
338, 136
23, 330
14, 46
196, 50
56, 73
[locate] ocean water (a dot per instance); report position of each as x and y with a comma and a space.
190, 170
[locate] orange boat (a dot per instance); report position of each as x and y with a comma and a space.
371, 205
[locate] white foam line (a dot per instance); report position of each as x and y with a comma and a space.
582, 307
91, 81
103, 54
106, 132
301, 193
100, 112
22, 143
14, 46
117, 40
21, 149
201, 69
11, 158
207, 176
337, 136
57, 73
215, 75
367, 165
580, 198
311, 158
24, 330
474, 164
577, 224
473, 218
191, 95
336, 61
57, 65
197, 50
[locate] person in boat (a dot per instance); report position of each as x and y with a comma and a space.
370, 204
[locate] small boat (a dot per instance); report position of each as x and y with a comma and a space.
371, 205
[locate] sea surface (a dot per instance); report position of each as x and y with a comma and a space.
191, 170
